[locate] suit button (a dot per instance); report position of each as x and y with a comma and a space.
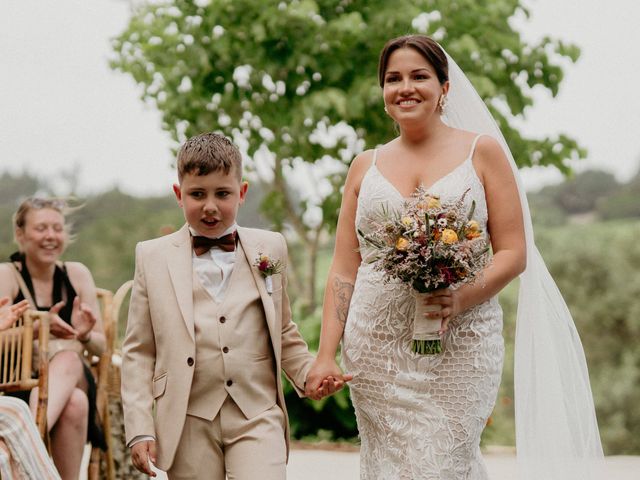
190, 361
229, 383
225, 349
223, 319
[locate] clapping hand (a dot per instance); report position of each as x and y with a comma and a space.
82, 319
10, 313
57, 326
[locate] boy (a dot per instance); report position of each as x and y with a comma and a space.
208, 334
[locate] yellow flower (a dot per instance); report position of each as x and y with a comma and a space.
433, 203
263, 258
449, 236
402, 244
472, 229
407, 221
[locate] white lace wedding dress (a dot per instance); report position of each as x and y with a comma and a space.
419, 416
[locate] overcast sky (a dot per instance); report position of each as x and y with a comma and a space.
62, 108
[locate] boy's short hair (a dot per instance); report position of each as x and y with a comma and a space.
206, 153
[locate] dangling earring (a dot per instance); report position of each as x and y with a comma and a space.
442, 103
385, 110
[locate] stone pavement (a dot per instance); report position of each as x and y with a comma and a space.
332, 464
335, 465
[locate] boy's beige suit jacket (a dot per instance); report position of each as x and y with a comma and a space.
159, 347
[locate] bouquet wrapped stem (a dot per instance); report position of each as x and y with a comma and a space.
426, 336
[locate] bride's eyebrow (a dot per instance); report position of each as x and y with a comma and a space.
421, 69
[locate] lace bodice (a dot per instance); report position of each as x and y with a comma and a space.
419, 416
379, 191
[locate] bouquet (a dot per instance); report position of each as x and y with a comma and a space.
428, 245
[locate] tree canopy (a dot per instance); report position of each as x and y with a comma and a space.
294, 82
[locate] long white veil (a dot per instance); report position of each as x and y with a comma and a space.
557, 434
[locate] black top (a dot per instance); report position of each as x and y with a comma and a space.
62, 288
64, 291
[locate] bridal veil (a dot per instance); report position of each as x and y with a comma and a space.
557, 434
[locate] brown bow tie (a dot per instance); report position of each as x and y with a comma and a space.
204, 244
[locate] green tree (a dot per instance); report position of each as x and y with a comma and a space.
294, 82
581, 193
623, 203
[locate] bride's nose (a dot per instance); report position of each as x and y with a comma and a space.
406, 86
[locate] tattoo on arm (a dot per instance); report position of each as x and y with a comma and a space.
342, 292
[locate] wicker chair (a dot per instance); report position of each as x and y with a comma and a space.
16, 361
107, 379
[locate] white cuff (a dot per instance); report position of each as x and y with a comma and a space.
140, 438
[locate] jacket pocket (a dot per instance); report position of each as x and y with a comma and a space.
159, 385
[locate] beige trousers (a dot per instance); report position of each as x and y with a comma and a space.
233, 446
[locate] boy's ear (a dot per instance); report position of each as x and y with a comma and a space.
178, 193
244, 186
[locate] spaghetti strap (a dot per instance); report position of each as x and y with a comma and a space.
473, 145
375, 156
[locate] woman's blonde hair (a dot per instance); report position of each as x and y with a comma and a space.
60, 205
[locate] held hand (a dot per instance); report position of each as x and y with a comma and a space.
141, 454
324, 378
331, 385
58, 327
82, 319
449, 300
9, 314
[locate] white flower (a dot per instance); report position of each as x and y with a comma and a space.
217, 31
185, 85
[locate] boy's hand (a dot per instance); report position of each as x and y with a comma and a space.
324, 378
331, 385
143, 452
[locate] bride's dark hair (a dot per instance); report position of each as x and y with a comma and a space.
425, 46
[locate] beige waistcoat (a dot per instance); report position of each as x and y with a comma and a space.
233, 356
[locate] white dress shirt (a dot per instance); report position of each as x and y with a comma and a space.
214, 267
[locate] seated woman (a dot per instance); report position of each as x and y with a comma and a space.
22, 453
68, 292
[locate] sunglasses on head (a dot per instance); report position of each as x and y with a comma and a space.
54, 203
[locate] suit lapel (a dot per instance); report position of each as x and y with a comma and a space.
248, 240
180, 267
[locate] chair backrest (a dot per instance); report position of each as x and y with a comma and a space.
118, 300
16, 360
108, 380
16, 352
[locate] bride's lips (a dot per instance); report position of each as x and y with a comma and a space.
408, 102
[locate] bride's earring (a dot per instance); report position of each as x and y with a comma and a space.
385, 110
442, 103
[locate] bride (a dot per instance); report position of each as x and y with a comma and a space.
421, 416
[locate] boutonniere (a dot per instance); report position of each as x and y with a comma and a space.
267, 267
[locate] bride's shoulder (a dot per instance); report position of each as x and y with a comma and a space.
357, 170
362, 160
489, 152
361, 163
